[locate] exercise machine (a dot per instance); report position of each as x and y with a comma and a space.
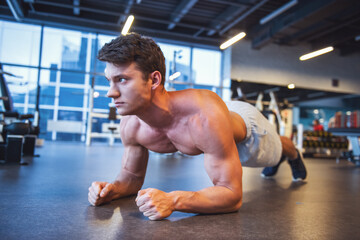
17, 134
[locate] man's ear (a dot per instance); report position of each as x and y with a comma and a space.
156, 79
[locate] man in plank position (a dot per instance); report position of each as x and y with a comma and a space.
190, 121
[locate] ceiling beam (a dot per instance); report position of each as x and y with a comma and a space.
264, 34
334, 28
76, 7
16, 9
181, 10
230, 13
126, 12
243, 16
113, 13
349, 49
238, 3
346, 35
323, 20
73, 22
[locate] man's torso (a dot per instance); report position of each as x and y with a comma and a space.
180, 135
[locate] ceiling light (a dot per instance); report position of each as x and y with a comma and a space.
232, 40
278, 11
127, 25
174, 76
291, 86
316, 53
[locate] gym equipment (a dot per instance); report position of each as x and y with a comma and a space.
273, 110
353, 135
17, 135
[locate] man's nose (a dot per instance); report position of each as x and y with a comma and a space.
113, 92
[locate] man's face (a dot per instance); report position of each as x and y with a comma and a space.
131, 93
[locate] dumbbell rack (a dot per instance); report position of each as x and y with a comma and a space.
323, 144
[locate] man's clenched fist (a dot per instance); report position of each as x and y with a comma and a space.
155, 204
101, 192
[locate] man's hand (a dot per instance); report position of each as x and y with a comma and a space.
102, 192
154, 204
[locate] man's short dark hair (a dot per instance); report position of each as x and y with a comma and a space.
134, 47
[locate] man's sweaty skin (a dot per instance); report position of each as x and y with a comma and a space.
190, 121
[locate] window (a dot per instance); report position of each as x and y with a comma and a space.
71, 97
64, 49
68, 66
102, 39
206, 67
19, 43
22, 87
177, 59
101, 101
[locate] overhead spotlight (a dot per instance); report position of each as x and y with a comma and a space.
174, 76
316, 53
291, 86
232, 40
127, 25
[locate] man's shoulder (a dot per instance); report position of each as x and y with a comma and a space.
201, 105
197, 100
129, 126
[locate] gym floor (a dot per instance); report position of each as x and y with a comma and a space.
47, 199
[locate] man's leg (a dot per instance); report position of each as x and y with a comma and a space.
295, 160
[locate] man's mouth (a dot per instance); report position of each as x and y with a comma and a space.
119, 104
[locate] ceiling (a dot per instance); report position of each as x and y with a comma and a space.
210, 22
249, 91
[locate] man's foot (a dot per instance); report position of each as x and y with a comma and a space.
298, 168
271, 171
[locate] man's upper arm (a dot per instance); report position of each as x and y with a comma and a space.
214, 136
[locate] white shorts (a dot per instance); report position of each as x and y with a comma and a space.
261, 146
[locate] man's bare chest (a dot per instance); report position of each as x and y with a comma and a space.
164, 141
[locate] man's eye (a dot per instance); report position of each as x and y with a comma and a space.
121, 80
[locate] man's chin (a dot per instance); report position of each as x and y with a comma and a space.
123, 112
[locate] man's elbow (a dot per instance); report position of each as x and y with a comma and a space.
238, 205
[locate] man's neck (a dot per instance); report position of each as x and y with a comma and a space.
158, 114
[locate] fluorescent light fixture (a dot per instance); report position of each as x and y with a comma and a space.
291, 86
127, 25
316, 53
232, 40
278, 12
174, 76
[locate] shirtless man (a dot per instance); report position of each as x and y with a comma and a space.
190, 121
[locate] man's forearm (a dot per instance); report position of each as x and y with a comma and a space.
217, 199
127, 185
